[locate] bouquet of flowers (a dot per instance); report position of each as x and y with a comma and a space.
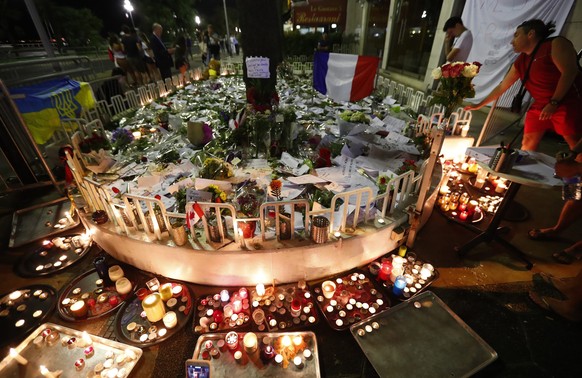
248, 199
121, 138
218, 195
455, 84
95, 142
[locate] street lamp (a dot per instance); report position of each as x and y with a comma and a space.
227, 31
197, 20
129, 8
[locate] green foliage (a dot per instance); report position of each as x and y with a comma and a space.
304, 44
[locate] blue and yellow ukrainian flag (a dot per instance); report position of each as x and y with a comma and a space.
44, 105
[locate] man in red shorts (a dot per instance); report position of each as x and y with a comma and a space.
554, 82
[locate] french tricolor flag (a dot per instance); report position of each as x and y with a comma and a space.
344, 77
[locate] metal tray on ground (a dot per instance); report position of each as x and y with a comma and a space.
85, 287
255, 364
24, 309
38, 222
392, 341
132, 310
55, 356
49, 259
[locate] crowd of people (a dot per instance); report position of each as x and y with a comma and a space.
142, 59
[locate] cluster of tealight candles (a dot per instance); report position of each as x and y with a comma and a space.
112, 366
223, 309
282, 350
160, 302
461, 206
404, 273
283, 307
349, 299
18, 302
78, 243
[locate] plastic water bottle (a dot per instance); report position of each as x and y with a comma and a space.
572, 189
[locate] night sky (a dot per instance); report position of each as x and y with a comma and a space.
112, 12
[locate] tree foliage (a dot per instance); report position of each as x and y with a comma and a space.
79, 27
10, 29
176, 16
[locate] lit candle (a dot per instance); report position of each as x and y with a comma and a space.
153, 307
286, 341
45, 372
328, 289
79, 309
89, 352
444, 189
136, 135
170, 319
297, 340
295, 308
260, 290
250, 342
14, 354
177, 290
425, 273
231, 340
166, 291
224, 295
238, 356
501, 187
268, 352
278, 358
479, 183
123, 286
463, 215
236, 305
307, 354
47, 244
298, 362
86, 338
115, 272
243, 293
385, 270
153, 284
399, 285
396, 271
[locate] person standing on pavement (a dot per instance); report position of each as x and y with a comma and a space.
458, 40
554, 82
213, 44
163, 55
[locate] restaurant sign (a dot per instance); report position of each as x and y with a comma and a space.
322, 12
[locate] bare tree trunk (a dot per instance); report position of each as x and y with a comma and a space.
261, 36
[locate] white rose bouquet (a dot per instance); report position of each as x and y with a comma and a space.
455, 84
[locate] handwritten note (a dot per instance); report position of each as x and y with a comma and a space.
258, 68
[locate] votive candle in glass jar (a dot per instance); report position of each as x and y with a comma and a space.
123, 286
328, 289
170, 319
250, 342
115, 272
231, 340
